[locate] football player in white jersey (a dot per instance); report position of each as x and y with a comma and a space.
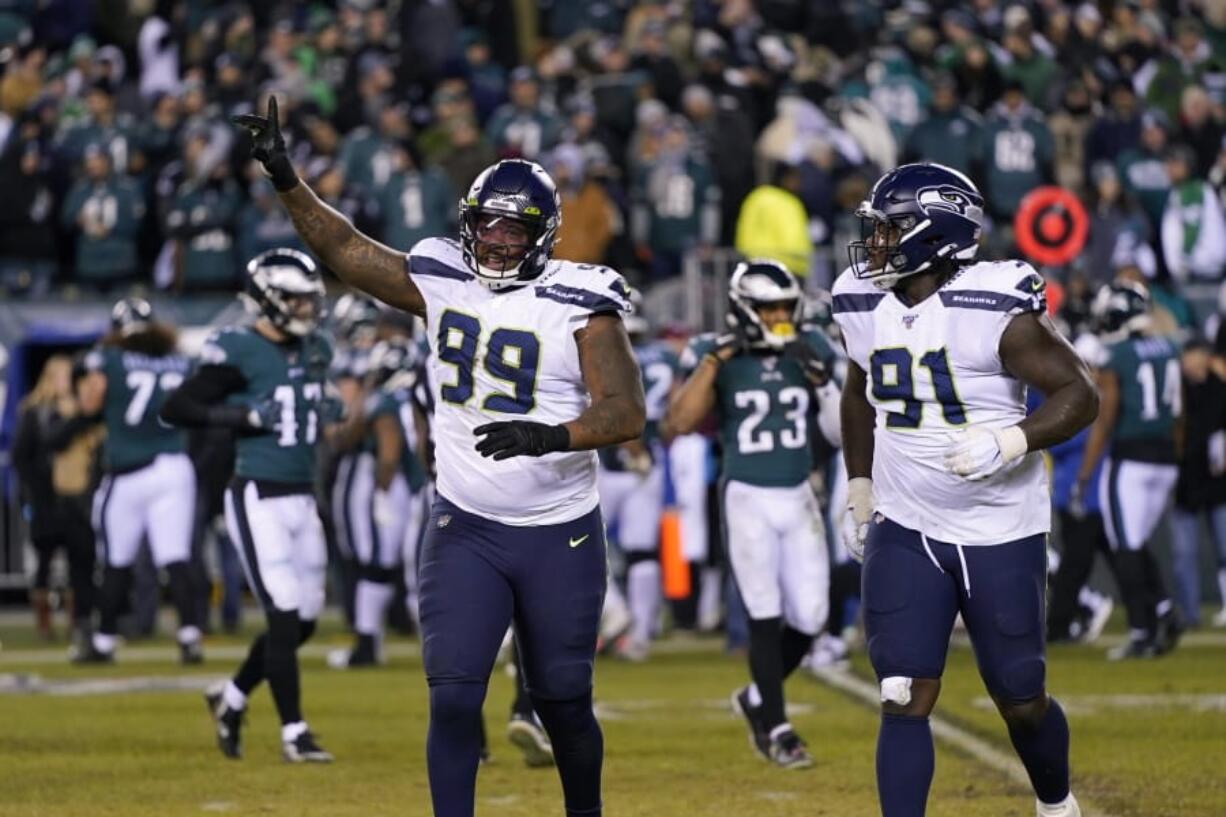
532, 372
948, 503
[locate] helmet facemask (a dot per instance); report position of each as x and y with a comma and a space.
287, 290
754, 287
504, 247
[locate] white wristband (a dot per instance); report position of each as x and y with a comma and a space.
1012, 442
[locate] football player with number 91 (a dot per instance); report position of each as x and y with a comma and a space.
948, 502
531, 371
267, 383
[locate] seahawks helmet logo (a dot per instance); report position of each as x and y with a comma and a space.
950, 199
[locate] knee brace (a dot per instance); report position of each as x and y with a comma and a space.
896, 689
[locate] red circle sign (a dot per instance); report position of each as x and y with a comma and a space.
1051, 226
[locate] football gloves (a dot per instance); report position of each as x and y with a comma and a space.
813, 366
264, 415
855, 519
734, 340
517, 438
980, 452
268, 146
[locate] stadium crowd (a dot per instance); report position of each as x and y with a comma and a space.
670, 127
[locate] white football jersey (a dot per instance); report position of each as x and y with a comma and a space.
507, 356
933, 369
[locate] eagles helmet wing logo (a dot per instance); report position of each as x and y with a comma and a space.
950, 199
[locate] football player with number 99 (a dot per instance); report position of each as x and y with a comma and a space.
948, 502
531, 371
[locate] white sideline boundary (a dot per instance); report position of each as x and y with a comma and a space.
977, 748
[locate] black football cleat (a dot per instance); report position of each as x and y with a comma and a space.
527, 735
304, 749
788, 751
89, 654
190, 653
227, 722
759, 737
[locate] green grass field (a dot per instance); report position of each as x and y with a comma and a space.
1149, 739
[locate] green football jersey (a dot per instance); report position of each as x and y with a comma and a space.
136, 387
658, 367
765, 412
293, 375
398, 404
1148, 370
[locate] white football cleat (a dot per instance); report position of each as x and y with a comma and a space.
1068, 808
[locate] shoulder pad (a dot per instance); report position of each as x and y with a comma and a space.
852, 294
1001, 286
590, 287
439, 258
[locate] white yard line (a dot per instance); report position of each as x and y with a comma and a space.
966, 742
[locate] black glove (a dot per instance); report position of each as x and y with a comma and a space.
268, 146
735, 339
520, 437
257, 418
813, 366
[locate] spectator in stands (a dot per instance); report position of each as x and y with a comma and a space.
1143, 169
522, 127
102, 126
487, 80
773, 223
1017, 152
724, 135
950, 135
1200, 127
104, 209
27, 214
1027, 65
1191, 61
53, 454
1193, 226
588, 214
201, 217
676, 200
262, 223
23, 79
1117, 128
653, 59
1201, 489
466, 153
1113, 214
1070, 126
416, 202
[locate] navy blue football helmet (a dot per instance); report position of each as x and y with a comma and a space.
515, 189
916, 215
1120, 309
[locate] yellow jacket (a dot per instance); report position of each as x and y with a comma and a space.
773, 224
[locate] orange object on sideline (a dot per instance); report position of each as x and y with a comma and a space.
674, 569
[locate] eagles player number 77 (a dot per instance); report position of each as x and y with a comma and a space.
533, 371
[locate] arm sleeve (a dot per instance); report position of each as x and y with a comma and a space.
197, 403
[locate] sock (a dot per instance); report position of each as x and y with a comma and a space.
1154, 583
643, 592
251, 671
766, 667
369, 605
179, 578
1130, 572
116, 582
905, 762
794, 646
281, 664
1221, 586
710, 582
189, 634
233, 697
104, 642
1044, 753
578, 751
453, 747
754, 695
291, 731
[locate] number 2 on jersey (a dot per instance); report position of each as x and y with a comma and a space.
893, 379
511, 355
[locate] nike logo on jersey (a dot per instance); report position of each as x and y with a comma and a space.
576, 542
